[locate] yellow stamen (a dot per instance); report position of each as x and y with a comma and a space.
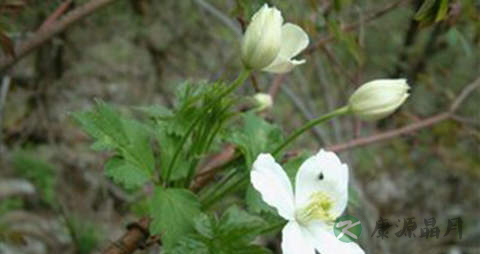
317, 209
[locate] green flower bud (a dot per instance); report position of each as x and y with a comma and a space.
379, 98
263, 101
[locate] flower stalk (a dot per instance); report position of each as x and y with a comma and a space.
338, 112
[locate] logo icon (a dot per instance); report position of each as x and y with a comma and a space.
347, 228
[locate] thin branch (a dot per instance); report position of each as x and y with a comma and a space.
56, 14
44, 35
207, 173
3, 97
386, 9
136, 236
220, 16
389, 134
468, 90
303, 109
464, 94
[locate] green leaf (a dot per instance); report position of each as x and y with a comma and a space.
168, 141
442, 11
231, 234
173, 212
172, 126
134, 163
126, 173
104, 125
432, 11
255, 137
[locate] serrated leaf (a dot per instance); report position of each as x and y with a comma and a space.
237, 224
168, 142
231, 234
156, 111
192, 127
104, 125
173, 212
134, 163
255, 137
126, 173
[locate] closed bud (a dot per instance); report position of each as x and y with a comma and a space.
263, 101
270, 45
379, 98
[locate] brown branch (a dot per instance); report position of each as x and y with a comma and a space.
135, 237
355, 25
207, 173
56, 14
412, 127
390, 134
44, 35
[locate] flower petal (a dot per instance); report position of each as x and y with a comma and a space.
262, 40
293, 41
325, 241
294, 240
323, 172
283, 65
272, 182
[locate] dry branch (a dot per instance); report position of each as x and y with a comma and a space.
135, 237
46, 33
386, 9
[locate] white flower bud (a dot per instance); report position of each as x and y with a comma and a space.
270, 46
379, 98
263, 101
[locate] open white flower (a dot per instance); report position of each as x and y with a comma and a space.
270, 46
320, 197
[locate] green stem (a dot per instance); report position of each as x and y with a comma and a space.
237, 183
238, 82
340, 111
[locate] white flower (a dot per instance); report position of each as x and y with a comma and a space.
270, 46
379, 98
320, 197
263, 101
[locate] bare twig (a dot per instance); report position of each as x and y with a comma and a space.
464, 94
355, 25
412, 127
56, 14
50, 31
3, 97
220, 16
215, 163
389, 134
303, 109
135, 237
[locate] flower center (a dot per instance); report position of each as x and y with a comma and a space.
318, 208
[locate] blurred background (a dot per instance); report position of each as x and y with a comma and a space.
420, 163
